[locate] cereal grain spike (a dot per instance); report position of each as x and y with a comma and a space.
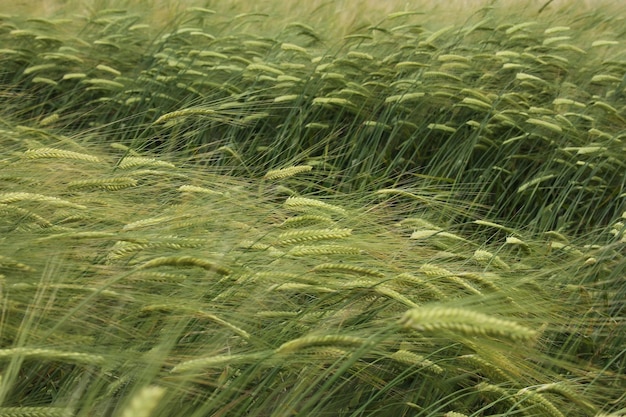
144, 402
53, 355
40, 153
342, 267
297, 236
185, 261
324, 340
487, 258
303, 203
413, 359
463, 321
112, 184
275, 174
6, 198
218, 361
134, 161
35, 412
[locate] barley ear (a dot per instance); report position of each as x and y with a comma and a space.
41, 153
219, 361
144, 402
53, 355
298, 236
10, 263
137, 161
185, 261
463, 321
275, 174
111, 184
413, 359
323, 340
302, 204
569, 394
35, 412
487, 258
538, 402
454, 414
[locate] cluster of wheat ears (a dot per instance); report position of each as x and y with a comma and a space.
219, 213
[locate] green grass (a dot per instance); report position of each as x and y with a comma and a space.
205, 213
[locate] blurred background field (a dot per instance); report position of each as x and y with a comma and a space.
346, 14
